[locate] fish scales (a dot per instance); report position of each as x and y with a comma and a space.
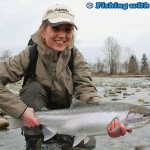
87, 119
90, 119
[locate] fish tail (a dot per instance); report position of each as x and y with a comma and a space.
14, 123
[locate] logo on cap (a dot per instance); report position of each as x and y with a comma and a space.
60, 10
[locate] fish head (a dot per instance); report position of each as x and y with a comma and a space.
137, 117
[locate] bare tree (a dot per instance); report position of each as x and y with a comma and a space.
125, 66
5, 54
99, 66
112, 51
91, 66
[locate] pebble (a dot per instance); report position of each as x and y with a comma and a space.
3, 123
140, 147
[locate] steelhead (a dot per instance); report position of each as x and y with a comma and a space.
90, 119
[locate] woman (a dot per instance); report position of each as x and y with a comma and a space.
54, 83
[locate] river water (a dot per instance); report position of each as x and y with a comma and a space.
129, 90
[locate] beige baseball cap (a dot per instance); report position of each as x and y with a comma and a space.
59, 14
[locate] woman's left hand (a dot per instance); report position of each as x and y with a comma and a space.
116, 129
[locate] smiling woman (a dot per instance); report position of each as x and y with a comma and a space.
56, 37
53, 84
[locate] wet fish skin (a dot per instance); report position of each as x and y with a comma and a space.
91, 120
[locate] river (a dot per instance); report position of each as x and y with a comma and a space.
129, 90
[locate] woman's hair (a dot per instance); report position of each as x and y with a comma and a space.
43, 25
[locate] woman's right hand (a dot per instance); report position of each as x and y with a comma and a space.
121, 129
29, 119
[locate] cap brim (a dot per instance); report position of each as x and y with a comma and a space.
61, 22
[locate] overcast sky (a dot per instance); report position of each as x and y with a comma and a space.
19, 19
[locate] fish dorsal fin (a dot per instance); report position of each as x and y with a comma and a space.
77, 103
78, 139
44, 109
48, 132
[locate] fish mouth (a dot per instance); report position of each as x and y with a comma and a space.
137, 118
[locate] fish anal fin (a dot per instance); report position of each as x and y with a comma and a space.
86, 139
48, 132
78, 139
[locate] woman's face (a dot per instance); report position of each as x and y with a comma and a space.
59, 37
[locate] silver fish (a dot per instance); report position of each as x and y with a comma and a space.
91, 119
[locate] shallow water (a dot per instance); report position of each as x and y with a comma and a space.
137, 92
136, 89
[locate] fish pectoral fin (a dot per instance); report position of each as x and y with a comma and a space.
78, 139
48, 132
86, 139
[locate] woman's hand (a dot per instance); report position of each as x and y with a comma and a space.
116, 129
28, 118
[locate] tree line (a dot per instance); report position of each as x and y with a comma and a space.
117, 61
